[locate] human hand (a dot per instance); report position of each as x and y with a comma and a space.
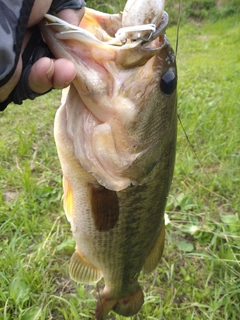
46, 73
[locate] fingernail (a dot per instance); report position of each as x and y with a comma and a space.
70, 81
49, 72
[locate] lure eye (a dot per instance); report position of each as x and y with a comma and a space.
168, 81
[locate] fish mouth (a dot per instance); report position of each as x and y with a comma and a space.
114, 37
104, 39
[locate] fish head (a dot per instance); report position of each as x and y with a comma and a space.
123, 94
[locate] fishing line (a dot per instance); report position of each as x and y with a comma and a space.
178, 115
193, 148
178, 24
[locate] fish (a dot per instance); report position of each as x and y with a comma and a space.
115, 135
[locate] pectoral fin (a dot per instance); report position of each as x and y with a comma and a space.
155, 254
105, 207
82, 270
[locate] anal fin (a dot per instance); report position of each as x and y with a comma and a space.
82, 270
155, 254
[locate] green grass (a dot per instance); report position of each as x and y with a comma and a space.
199, 275
191, 10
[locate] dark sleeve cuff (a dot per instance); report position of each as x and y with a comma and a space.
5, 103
58, 5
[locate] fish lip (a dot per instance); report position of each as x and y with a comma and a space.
54, 21
62, 27
160, 30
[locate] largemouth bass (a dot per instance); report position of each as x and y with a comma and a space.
115, 134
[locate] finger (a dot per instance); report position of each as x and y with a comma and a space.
64, 73
47, 73
40, 77
72, 16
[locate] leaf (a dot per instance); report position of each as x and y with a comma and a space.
185, 202
185, 246
19, 290
191, 229
230, 219
67, 245
32, 314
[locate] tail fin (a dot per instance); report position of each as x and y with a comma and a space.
127, 306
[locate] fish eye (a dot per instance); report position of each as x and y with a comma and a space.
168, 81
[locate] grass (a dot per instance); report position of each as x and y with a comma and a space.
191, 10
199, 275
